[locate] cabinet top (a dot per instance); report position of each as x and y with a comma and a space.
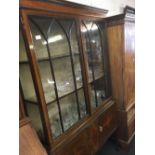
127, 15
64, 7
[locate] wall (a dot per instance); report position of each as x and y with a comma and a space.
114, 6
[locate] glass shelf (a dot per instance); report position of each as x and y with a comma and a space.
49, 98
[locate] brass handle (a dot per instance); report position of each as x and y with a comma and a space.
101, 128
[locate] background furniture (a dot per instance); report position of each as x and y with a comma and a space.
121, 39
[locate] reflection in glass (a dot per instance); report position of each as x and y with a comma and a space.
34, 114
27, 88
94, 53
69, 110
39, 41
54, 119
22, 50
83, 110
57, 40
65, 83
47, 81
27, 83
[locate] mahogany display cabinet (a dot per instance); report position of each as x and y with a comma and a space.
64, 76
121, 47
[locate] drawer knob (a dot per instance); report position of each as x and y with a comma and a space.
100, 128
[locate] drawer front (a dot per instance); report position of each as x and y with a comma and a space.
107, 122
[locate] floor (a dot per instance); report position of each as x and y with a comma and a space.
111, 149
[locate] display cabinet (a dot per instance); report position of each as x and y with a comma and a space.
64, 74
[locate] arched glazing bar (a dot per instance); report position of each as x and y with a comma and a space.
52, 70
72, 63
91, 55
104, 56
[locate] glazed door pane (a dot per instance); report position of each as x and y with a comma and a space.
27, 89
93, 49
58, 57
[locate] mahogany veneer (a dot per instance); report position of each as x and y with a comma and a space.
121, 35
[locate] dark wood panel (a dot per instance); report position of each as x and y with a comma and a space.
115, 35
107, 123
131, 127
94, 137
126, 124
129, 64
121, 38
76, 147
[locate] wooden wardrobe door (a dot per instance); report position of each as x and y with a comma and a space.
129, 63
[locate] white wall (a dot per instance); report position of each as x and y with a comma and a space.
114, 6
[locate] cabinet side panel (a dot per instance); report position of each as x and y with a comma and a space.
129, 64
115, 38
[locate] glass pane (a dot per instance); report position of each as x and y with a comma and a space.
92, 95
47, 81
83, 110
73, 40
97, 54
39, 38
34, 114
94, 53
100, 89
57, 40
78, 74
69, 110
64, 76
22, 50
76, 57
54, 119
27, 86
27, 82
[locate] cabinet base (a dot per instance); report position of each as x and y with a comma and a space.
125, 145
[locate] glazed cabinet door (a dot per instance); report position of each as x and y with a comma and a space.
94, 47
27, 89
58, 59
